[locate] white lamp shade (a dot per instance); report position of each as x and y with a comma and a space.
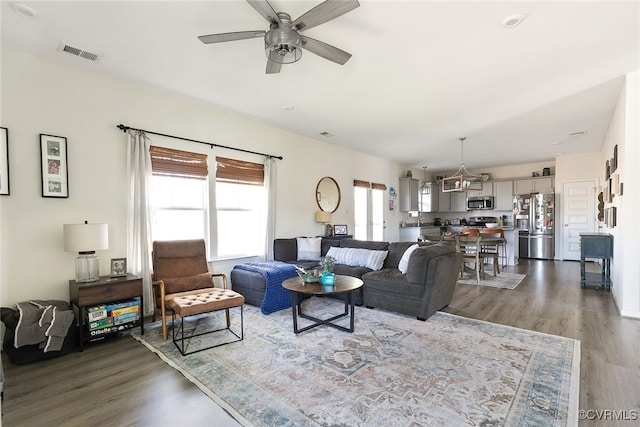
323, 216
86, 237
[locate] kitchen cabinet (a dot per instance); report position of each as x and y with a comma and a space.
511, 246
487, 189
429, 197
459, 201
408, 195
503, 195
533, 185
444, 201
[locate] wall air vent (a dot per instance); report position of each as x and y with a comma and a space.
326, 134
78, 52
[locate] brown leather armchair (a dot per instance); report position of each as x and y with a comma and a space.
180, 268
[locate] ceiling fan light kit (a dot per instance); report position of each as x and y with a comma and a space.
282, 45
283, 42
462, 180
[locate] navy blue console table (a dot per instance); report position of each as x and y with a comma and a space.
599, 246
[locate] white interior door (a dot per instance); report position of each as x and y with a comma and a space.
578, 215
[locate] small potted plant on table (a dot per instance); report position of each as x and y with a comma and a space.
328, 278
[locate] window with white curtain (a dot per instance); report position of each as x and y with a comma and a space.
180, 208
179, 194
241, 205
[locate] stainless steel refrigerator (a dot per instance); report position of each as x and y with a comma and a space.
534, 218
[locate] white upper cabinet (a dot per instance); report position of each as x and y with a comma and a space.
409, 196
503, 195
533, 185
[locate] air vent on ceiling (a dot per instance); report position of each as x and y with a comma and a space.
327, 134
78, 52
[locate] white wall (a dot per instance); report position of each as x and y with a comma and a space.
40, 96
624, 132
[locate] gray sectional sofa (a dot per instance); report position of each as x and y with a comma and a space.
426, 287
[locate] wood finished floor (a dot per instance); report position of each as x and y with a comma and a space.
120, 383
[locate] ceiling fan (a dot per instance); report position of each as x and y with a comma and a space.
283, 42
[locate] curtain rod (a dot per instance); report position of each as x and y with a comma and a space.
210, 144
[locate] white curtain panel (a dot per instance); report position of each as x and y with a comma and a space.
270, 176
139, 213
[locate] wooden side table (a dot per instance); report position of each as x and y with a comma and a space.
600, 246
107, 290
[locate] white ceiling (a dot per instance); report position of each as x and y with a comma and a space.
423, 73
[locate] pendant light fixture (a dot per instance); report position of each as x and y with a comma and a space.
462, 180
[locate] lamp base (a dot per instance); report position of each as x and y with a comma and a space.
87, 268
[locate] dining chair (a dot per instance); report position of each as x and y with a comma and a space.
469, 247
470, 231
490, 241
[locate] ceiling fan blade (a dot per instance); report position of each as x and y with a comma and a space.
228, 37
264, 8
326, 11
325, 50
273, 67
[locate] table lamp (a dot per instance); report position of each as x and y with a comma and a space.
86, 239
323, 217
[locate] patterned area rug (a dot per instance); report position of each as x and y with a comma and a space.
503, 280
392, 371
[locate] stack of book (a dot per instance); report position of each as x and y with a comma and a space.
105, 319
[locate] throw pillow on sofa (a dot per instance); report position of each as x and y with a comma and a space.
357, 257
404, 261
309, 248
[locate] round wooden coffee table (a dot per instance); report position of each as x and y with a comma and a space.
344, 286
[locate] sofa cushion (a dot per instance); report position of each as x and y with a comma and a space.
348, 270
364, 244
285, 249
396, 250
328, 243
309, 248
404, 261
357, 257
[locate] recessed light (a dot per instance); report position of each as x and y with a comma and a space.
25, 11
513, 20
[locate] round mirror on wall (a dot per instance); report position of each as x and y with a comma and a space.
328, 194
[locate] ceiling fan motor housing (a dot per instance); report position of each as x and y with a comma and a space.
282, 45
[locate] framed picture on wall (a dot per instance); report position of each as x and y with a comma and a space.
53, 157
340, 230
4, 161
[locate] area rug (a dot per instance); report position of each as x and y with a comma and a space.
503, 280
393, 370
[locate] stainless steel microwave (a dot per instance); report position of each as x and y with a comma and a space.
479, 202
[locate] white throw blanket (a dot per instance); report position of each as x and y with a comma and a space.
43, 322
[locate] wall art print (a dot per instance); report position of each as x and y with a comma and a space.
53, 155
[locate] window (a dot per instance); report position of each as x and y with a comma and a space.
179, 189
368, 209
240, 208
377, 211
360, 195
